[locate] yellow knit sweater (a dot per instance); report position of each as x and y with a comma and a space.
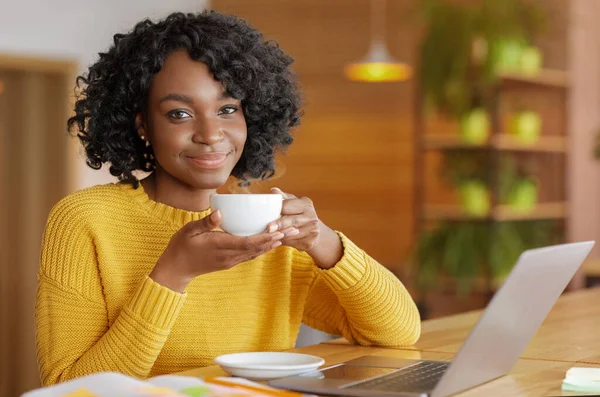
97, 309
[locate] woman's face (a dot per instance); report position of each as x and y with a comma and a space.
196, 129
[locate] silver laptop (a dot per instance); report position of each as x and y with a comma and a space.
490, 351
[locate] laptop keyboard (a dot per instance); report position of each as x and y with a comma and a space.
418, 378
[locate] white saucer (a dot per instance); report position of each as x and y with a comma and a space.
264, 366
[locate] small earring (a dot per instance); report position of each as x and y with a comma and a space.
144, 139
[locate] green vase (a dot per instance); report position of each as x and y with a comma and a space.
523, 196
475, 127
506, 54
474, 198
531, 60
526, 126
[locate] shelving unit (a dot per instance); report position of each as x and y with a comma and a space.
498, 142
550, 144
549, 210
545, 77
548, 154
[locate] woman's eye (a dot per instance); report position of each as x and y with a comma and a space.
228, 110
179, 114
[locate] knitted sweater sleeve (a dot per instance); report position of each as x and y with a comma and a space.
361, 300
73, 334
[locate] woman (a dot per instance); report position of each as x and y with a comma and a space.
133, 278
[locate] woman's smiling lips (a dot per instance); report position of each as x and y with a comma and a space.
210, 160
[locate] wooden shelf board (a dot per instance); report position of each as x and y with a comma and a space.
556, 144
545, 77
552, 210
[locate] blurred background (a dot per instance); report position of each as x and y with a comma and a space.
444, 137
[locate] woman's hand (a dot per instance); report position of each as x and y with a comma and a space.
303, 230
196, 249
299, 222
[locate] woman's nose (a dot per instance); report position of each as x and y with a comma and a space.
208, 132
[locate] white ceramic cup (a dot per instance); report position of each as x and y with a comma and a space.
246, 214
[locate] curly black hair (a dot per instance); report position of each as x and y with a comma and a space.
253, 70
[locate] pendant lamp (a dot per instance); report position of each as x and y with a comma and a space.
378, 65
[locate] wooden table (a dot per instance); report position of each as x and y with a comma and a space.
528, 377
570, 333
570, 336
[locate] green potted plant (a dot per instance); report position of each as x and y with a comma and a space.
467, 251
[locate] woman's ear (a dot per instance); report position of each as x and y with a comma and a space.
140, 127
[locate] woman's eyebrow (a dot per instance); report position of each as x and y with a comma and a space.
177, 97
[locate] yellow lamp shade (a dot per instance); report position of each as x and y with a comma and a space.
378, 66
378, 72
